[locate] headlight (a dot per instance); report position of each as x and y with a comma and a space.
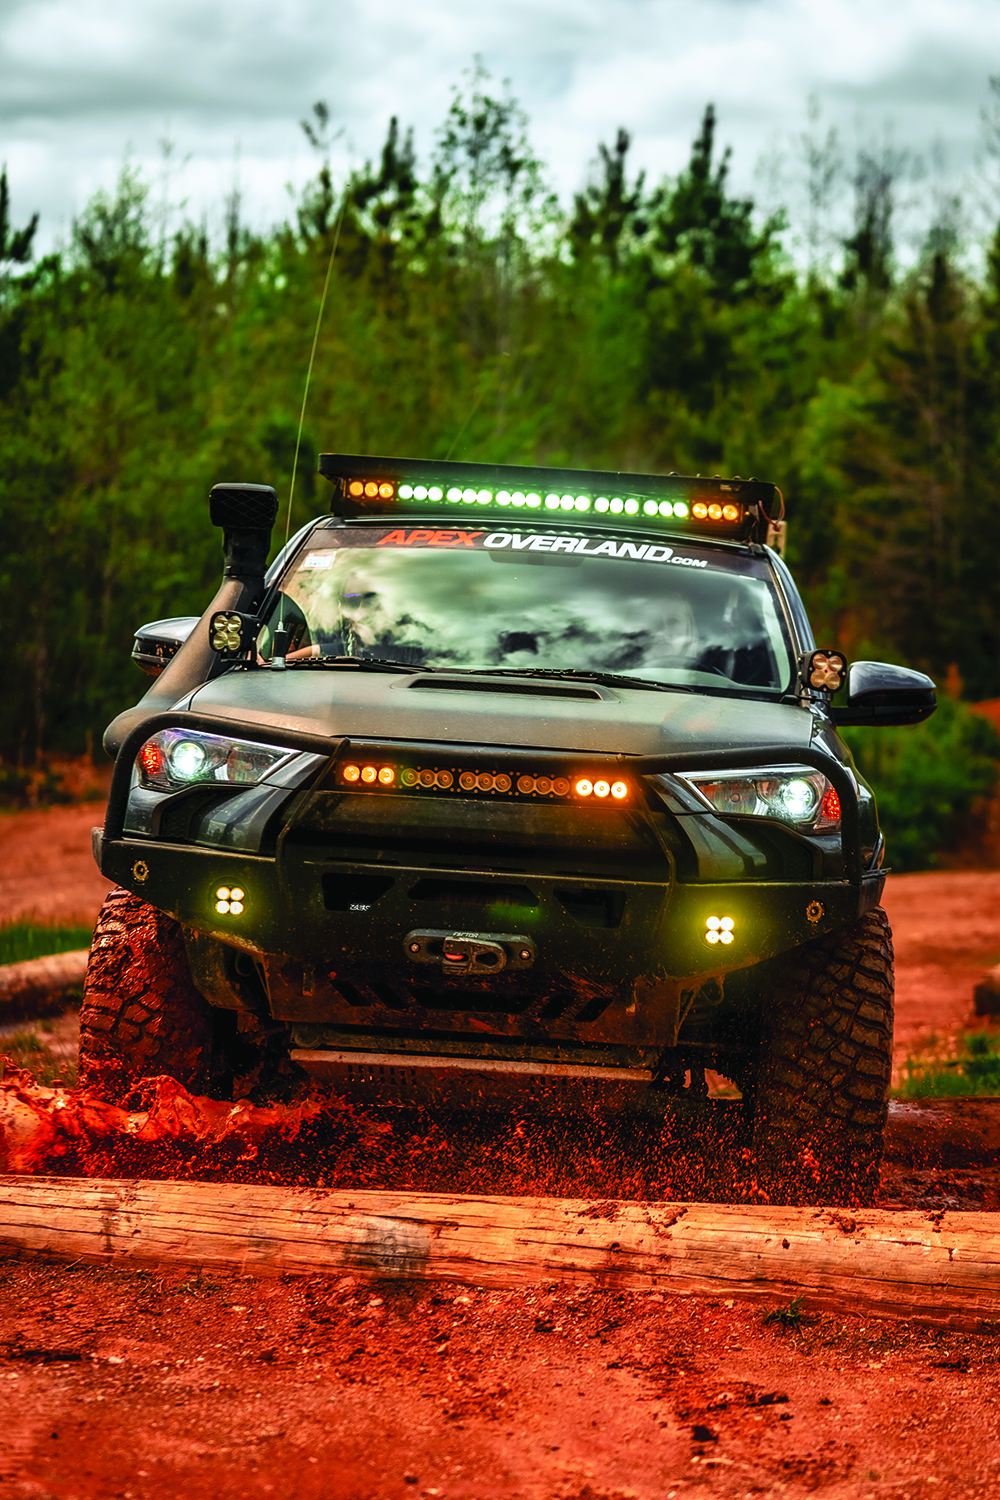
793, 794
175, 758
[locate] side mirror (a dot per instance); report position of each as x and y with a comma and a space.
881, 694
159, 641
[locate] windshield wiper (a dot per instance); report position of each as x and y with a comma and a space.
363, 663
622, 679
578, 674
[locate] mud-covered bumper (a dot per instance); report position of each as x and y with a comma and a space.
598, 931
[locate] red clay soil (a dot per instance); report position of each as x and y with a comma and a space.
143, 1386
140, 1385
47, 871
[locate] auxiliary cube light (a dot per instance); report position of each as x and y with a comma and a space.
229, 900
719, 930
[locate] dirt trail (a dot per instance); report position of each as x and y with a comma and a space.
945, 930
47, 871
118, 1384
142, 1386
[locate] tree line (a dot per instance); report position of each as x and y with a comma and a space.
645, 326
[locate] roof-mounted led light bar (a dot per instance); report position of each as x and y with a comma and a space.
734, 509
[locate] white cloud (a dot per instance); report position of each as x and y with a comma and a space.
83, 80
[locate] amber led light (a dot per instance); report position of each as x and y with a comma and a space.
719, 930
229, 900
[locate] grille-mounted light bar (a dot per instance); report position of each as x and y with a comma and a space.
358, 776
734, 509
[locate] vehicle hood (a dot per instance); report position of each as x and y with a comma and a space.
502, 713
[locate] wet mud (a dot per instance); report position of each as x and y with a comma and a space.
939, 1153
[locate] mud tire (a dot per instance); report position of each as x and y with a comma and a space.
141, 1015
821, 1096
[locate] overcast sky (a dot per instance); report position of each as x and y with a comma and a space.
82, 82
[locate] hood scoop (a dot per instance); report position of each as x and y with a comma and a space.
496, 685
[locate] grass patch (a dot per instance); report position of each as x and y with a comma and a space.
23, 940
42, 1048
974, 1069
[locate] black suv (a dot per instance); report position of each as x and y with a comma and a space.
501, 782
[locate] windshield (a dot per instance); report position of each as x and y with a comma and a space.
682, 615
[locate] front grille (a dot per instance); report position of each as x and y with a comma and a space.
178, 817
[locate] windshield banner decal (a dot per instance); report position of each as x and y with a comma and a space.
585, 546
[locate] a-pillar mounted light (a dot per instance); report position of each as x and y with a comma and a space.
823, 671
232, 634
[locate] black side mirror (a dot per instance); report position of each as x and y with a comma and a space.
878, 693
159, 642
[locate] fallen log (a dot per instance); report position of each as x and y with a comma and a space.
936, 1268
40, 986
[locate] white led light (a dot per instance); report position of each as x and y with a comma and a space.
434, 493
470, 496
798, 798
631, 506
680, 508
532, 501
503, 497
454, 496
236, 894
484, 497
517, 498
551, 502
617, 506
222, 907
650, 508
419, 493
223, 893
602, 504
725, 936
582, 502
666, 509
187, 759
727, 924
235, 907
567, 502
711, 937
405, 493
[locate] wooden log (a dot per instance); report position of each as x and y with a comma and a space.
940, 1268
39, 986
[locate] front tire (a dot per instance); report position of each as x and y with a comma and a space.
821, 1097
141, 1014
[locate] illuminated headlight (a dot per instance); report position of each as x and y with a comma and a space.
174, 758
793, 794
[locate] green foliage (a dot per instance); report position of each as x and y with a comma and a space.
929, 780
975, 1070
786, 1317
23, 940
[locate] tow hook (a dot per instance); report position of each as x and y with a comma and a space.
476, 953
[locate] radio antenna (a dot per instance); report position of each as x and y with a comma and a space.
312, 359
280, 644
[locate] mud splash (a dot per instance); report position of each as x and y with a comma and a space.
320, 1140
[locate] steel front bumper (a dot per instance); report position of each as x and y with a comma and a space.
660, 936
